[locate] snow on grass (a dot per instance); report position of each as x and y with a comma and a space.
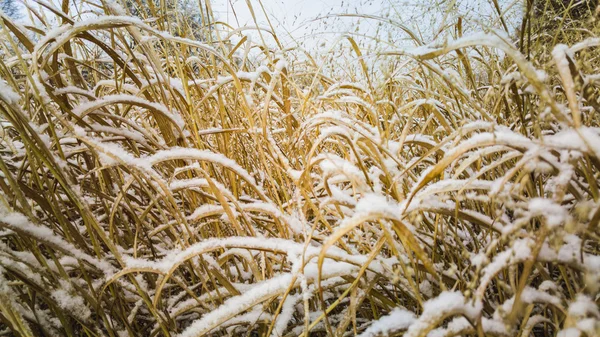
370, 191
437, 309
398, 319
7, 94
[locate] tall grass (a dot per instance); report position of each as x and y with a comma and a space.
158, 180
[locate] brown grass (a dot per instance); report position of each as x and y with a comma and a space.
157, 181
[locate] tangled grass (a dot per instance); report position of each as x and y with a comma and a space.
157, 185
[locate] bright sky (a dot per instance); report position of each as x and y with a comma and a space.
291, 13
298, 16
314, 23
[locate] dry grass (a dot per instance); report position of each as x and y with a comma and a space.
158, 185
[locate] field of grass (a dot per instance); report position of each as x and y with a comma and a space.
160, 180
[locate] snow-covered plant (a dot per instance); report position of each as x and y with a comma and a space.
152, 184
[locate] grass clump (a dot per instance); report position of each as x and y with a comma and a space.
158, 180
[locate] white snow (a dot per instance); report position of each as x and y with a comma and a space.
397, 319
7, 93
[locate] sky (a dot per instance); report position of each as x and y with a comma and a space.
317, 23
310, 21
301, 19
292, 14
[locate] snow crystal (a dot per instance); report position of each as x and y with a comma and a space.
446, 304
71, 303
554, 213
569, 332
397, 319
583, 306
8, 94
285, 316
87, 107
191, 153
238, 304
18, 222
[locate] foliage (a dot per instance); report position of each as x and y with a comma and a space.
160, 185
